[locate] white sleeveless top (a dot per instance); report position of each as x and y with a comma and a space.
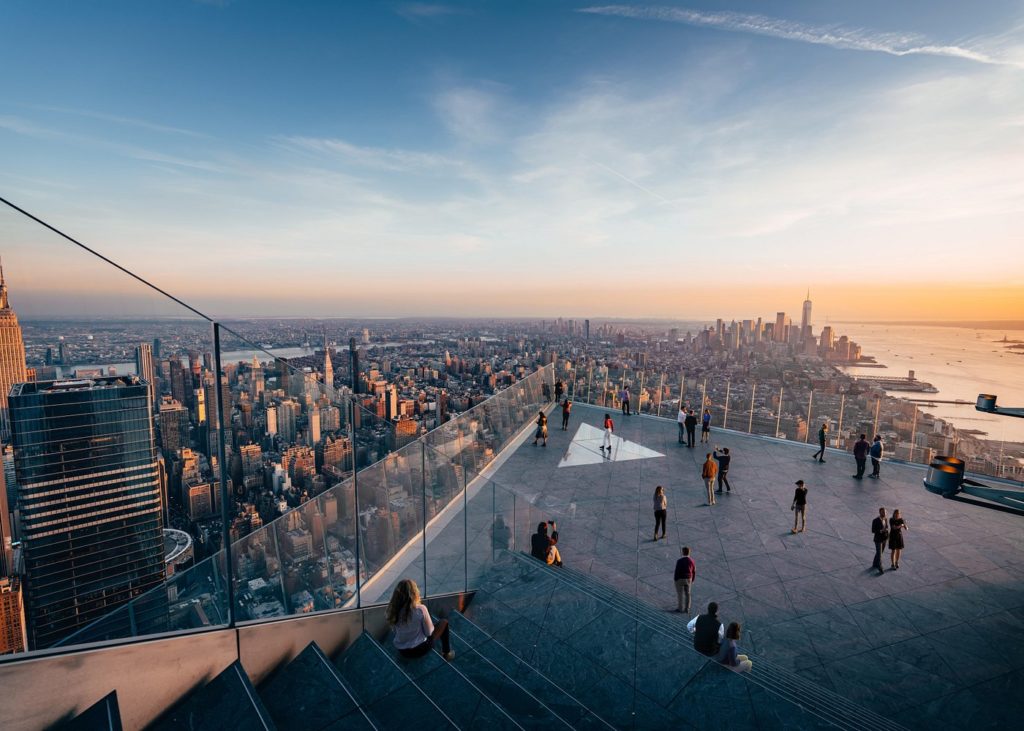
415, 630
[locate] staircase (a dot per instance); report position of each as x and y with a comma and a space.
538, 647
819, 706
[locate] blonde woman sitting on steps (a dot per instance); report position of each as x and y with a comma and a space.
415, 633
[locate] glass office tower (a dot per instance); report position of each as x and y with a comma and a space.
89, 493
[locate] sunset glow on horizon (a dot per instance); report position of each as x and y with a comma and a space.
523, 159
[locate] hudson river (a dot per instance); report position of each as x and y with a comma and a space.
960, 362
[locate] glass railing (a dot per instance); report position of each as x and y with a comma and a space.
107, 441
346, 544
301, 493
794, 407
298, 493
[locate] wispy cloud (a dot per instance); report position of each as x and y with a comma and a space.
117, 119
473, 114
371, 157
29, 128
21, 126
855, 39
657, 196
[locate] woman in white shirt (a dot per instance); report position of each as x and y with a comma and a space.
415, 634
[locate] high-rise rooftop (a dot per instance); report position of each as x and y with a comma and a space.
89, 500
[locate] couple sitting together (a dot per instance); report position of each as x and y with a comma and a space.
711, 638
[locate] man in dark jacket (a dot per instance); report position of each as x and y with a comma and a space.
880, 531
860, 453
876, 457
708, 631
691, 429
822, 440
723, 468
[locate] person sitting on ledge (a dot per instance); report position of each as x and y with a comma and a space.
707, 631
728, 654
544, 545
415, 633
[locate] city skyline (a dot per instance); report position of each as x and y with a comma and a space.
291, 292
638, 161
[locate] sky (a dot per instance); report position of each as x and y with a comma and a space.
681, 160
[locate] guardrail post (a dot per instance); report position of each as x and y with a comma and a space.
725, 418
807, 431
423, 503
225, 497
750, 422
355, 493
778, 417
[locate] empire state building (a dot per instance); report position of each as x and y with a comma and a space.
12, 356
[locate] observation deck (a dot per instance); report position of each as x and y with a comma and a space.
934, 644
596, 644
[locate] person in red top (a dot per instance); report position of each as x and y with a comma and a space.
686, 573
609, 427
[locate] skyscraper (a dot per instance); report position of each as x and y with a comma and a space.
271, 420
145, 370
354, 365
177, 373
328, 368
805, 318
287, 414
7, 567
12, 355
779, 334
256, 382
12, 616
173, 420
89, 494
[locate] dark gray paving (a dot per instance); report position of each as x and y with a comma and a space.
927, 645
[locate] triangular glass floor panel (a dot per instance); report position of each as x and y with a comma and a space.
586, 449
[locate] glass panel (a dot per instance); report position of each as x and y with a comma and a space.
793, 413
302, 549
446, 534
744, 396
826, 409
259, 588
767, 401
338, 508
377, 532
108, 407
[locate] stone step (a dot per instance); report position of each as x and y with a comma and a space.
309, 693
457, 695
495, 680
830, 708
387, 695
227, 701
560, 703
830, 705
658, 672
103, 715
587, 648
